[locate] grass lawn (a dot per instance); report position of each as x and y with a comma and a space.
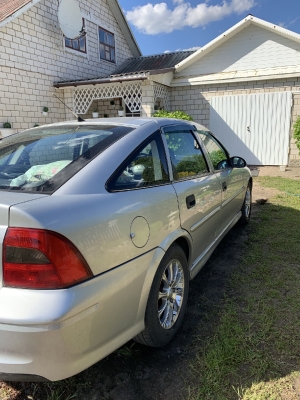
254, 353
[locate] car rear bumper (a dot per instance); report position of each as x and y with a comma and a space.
57, 333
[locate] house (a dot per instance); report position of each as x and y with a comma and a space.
35, 54
244, 85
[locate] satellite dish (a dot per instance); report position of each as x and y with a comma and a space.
70, 18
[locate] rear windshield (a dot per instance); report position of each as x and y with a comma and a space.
42, 159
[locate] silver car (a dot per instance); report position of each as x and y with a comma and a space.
103, 224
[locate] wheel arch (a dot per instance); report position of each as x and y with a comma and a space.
179, 237
185, 245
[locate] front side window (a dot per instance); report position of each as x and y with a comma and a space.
146, 167
44, 158
216, 152
186, 156
78, 44
107, 45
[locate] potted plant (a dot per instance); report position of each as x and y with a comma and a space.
105, 115
95, 113
121, 111
7, 129
45, 111
112, 102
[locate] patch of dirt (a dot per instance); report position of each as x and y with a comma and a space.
143, 373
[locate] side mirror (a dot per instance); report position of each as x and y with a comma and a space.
223, 164
238, 162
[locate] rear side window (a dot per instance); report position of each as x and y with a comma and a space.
43, 159
145, 167
186, 156
216, 152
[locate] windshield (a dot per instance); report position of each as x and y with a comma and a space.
42, 159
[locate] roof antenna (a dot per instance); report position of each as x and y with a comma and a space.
79, 119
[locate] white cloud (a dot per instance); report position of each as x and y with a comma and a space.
158, 18
282, 24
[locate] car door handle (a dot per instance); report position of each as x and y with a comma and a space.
224, 186
190, 201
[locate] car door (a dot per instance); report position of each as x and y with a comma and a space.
231, 180
198, 190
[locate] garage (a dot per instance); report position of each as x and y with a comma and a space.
255, 127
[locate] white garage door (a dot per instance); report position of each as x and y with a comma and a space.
255, 127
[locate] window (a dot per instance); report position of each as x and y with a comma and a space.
146, 167
186, 156
78, 44
216, 152
44, 158
107, 45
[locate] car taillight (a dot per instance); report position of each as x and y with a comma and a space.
41, 259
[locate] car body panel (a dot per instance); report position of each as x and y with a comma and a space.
76, 327
233, 194
102, 227
205, 212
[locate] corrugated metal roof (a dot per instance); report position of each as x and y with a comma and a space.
142, 64
9, 7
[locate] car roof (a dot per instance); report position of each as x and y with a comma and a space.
126, 121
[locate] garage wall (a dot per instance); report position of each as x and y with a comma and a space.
195, 100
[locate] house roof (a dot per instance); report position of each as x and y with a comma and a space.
8, 7
124, 26
135, 68
158, 63
250, 19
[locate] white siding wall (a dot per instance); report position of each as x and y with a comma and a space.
33, 57
252, 48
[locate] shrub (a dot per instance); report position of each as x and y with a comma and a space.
173, 114
297, 132
7, 125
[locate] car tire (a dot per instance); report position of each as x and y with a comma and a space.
246, 208
167, 299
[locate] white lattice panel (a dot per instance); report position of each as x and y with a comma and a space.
162, 92
131, 94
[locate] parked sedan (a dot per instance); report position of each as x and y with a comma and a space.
103, 224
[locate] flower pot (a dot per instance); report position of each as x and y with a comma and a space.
45, 113
95, 114
121, 113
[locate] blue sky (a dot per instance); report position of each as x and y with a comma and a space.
172, 25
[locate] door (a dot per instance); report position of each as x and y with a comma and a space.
255, 127
231, 180
198, 190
